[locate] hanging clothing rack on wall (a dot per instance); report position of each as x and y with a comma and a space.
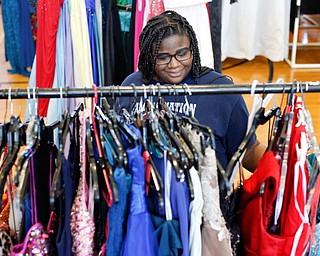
140, 90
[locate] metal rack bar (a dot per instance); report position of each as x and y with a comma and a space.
163, 90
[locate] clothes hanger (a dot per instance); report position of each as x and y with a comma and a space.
182, 156
29, 152
105, 165
63, 130
175, 127
92, 163
118, 153
15, 139
33, 134
102, 159
170, 126
156, 177
260, 118
208, 136
3, 136
139, 120
119, 126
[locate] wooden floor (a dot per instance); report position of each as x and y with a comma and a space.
257, 69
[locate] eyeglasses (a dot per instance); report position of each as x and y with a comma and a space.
181, 55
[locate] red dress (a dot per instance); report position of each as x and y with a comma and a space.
48, 13
256, 208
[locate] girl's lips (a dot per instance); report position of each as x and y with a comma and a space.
174, 74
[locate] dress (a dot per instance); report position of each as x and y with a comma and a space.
80, 43
227, 114
178, 201
215, 234
195, 11
64, 239
91, 16
12, 43
140, 237
195, 211
245, 33
48, 13
117, 213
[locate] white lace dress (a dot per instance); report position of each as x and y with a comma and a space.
215, 234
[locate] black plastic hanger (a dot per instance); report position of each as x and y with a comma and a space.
260, 118
119, 125
102, 161
275, 130
16, 138
119, 153
3, 136
208, 136
105, 165
157, 185
62, 134
92, 162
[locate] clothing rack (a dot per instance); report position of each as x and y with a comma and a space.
160, 90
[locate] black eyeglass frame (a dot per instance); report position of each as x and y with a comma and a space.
175, 56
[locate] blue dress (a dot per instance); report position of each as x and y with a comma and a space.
91, 17
118, 211
179, 199
140, 237
26, 38
12, 44
64, 239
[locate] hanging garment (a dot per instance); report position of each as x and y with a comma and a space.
26, 38
147, 172
179, 202
315, 247
46, 155
140, 237
138, 26
156, 8
91, 17
48, 12
258, 37
6, 243
4, 213
81, 45
56, 107
98, 4
118, 211
257, 206
12, 43
195, 211
36, 242
215, 234
254, 210
5, 239
168, 236
113, 50
64, 238
215, 9
81, 222
294, 220
195, 11
68, 53
37, 239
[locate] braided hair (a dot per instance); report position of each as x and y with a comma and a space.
159, 27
